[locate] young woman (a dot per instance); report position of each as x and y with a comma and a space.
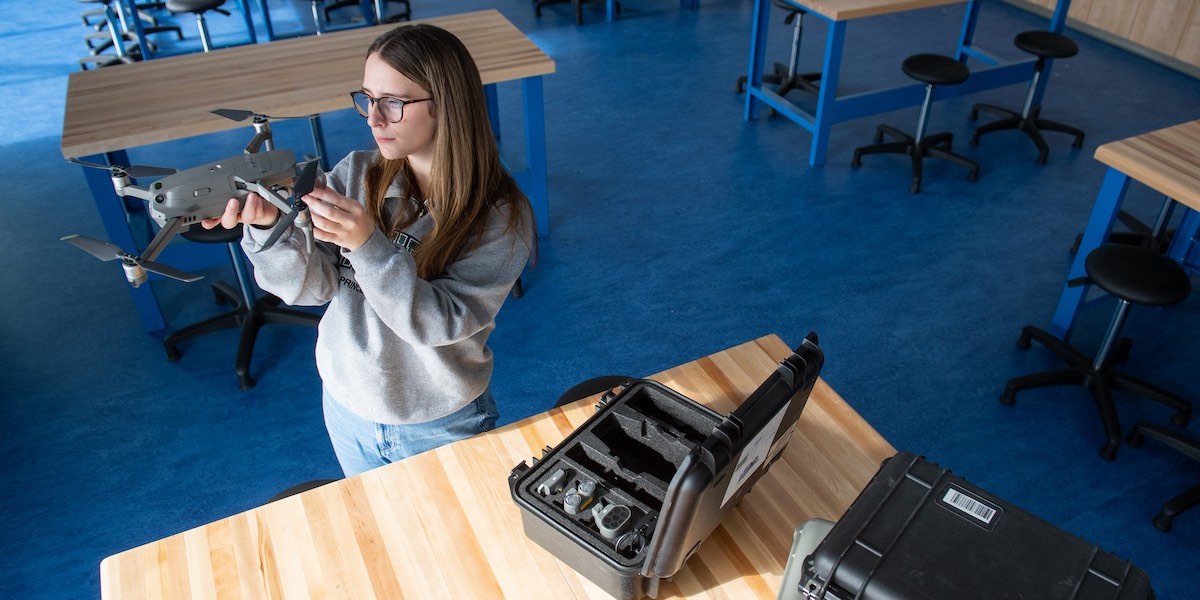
419, 243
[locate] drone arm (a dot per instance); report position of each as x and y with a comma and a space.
270, 196
126, 189
257, 141
159, 243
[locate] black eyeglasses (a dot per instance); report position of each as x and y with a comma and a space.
391, 109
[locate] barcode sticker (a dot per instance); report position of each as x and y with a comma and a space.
969, 505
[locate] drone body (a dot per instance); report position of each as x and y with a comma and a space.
202, 192
181, 199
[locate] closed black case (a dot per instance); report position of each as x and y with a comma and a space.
675, 466
918, 532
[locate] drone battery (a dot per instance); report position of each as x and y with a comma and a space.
919, 532
629, 495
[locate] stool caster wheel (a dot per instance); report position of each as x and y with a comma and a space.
1109, 451
1181, 419
973, 176
1041, 160
915, 187
1023, 342
1134, 439
1163, 521
245, 381
856, 161
974, 139
1008, 398
1078, 142
974, 116
878, 134
741, 84
173, 353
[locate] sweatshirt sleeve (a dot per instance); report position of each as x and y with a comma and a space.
453, 307
287, 269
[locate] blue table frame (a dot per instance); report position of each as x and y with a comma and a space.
832, 108
1169, 180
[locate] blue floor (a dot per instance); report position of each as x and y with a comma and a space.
678, 230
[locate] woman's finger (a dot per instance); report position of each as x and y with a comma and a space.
230, 218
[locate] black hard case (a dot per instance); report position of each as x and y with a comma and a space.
670, 459
919, 532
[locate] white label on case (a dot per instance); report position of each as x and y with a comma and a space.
753, 456
969, 505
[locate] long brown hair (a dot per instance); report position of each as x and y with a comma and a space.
467, 178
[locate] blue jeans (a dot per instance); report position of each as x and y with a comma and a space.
361, 444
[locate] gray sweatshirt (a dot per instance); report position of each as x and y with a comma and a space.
392, 347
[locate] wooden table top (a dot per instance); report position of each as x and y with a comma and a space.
126, 106
841, 10
443, 524
1167, 160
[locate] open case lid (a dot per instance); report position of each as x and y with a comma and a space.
714, 477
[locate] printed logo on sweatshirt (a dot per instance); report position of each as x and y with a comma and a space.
401, 239
406, 241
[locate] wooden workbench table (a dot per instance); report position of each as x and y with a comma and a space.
1167, 161
443, 524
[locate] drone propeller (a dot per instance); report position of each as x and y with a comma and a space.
106, 252
242, 115
303, 184
307, 179
132, 171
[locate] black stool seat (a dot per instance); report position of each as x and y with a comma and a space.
1138, 275
1133, 275
193, 6
248, 313
935, 69
1046, 44
932, 70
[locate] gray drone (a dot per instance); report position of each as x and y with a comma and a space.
180, 199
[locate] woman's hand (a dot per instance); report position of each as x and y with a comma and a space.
256, 211
338, 219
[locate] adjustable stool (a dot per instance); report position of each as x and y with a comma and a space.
785, 76
1043, 44
932, 70
247, 313
1133, 275
111, 35
1189, 447
198, 7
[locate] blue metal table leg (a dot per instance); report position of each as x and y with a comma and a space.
116, 226
1185, 239
535, 152
266, 13
967, 36
758, 55
490, 95
245, 6
827, 94
1104, 212
1057, 21
610, 10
